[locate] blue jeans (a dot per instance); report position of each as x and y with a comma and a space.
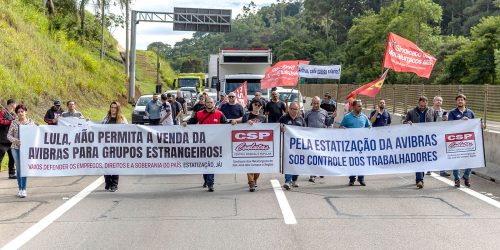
21, 181
419, 176
352, 178
456, 173
290, 178
209, 179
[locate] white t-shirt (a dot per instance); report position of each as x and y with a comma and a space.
165, 108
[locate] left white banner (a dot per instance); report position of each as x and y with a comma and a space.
149, 150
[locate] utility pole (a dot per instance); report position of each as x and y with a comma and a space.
127, 61
102, 29
158, 84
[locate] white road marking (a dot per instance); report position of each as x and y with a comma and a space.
468, 191
31, 232
286, 210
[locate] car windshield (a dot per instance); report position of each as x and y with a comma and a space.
189, 82
291, 98
187, 94
253, 85
144, 100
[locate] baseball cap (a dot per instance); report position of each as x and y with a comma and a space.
57, 103
222, 94
328, 94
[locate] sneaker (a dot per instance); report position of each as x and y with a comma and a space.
12, 176
362, 183
457, 183
351, 183
420, 184
23, 194
211, 189
444, 174
294, 184
204, 185
312, 179
106, 187
428, 173
321, 177
252, 189
287, 186
467, 183
113, 189
19, 193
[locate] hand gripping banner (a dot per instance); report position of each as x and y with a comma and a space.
384, 150
149, 150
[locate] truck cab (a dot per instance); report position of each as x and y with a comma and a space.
235, 66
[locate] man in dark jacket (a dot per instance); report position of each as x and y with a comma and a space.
7, 115
53, 114
419, 114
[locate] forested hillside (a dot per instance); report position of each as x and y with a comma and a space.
463, 35
48, 54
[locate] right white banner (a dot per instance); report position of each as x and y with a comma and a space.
384, 150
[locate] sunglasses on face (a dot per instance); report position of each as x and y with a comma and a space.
257, 104
231, 96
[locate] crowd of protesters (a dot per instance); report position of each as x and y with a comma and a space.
169, 111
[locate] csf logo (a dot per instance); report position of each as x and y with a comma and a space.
460, 137
252, 136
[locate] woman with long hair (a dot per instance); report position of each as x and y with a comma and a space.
114, 116
13, 136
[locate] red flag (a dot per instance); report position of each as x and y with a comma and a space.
402, 55
241, 94
370, 89
283, 73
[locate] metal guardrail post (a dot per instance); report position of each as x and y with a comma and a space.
485, 102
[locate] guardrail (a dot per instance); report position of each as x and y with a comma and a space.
484, 100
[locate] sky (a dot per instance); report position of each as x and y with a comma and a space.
163, 32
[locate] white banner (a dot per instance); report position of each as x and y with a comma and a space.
149, 150
318, 71
384, 150
73, 121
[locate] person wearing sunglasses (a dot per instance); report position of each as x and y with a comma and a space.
232, 109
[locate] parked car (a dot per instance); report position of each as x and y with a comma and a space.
139, 114
188, 96
293, 96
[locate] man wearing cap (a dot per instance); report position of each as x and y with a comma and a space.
53, 114
223, 98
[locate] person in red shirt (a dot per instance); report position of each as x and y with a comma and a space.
7, 115
209, 115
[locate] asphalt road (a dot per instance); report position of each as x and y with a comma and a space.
175, 212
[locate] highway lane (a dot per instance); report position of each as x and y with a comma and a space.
174, 212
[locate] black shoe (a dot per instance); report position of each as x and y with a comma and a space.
457, 183
351, 183
467, 183
252, 189
113, 189
210, 189
444, 174
362, 183
428, 173
204, 185
106, 187
12, 177
321, 177
312, 179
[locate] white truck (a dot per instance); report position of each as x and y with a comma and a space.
232, 67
